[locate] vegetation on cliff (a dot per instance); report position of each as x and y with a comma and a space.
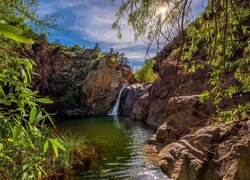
218, 41
146, 73
200, 102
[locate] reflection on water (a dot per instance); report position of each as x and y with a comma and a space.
119, 144
117, 122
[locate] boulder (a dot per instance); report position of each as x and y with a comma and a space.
205, 154
101, 87
230, 158
140, 108
129, 96
154, 106
186, 158
183, 114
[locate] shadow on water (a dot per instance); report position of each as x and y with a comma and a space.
119, 142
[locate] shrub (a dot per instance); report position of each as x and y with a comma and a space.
146, 73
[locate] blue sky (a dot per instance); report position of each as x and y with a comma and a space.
87, 22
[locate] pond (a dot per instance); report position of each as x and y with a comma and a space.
120, 146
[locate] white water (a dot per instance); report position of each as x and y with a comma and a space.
114, 111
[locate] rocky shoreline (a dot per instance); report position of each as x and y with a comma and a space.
188, 145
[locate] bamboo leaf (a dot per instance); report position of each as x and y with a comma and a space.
17, 132
32, 116
44, 100
10, 32
45, 147
57, 143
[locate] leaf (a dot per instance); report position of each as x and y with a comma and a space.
55, 149
1, 91
32, 116
38, 118
44, 100
46, 145
10, 32
57, 143
24, 176
17, 132
1, 147
41, 170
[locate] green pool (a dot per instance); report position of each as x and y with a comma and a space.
119, 142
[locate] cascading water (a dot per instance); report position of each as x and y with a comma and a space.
115, 109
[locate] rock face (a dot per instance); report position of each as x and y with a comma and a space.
189, 147
79, 82
152, 106
130, 95
181, 119
101, 86
205, 155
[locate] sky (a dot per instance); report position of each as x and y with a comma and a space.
87, 22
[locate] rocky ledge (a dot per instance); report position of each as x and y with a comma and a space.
206, 154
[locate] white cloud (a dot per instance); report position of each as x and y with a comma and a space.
92, 21
95, 24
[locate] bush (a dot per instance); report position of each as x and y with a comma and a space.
146, 73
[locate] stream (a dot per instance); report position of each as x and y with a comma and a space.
120, 145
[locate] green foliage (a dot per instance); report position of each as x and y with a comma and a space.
24, 138
95, 65
69, 99
146, 73
122, 59
227, 56
221, 34
10, 32
22, 121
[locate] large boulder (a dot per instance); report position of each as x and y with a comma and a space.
230, 158
205, 154
130, 95
140, 108
186, 158
101, 87
153, 106
184, 114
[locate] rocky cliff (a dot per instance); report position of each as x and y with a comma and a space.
80, 81
101, 86
190, 145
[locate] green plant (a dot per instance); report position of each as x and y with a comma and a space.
22, 121
69, 99
24, 141
146, 73
221, 34
95, 64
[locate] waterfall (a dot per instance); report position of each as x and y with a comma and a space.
115, 109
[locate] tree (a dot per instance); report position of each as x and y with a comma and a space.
221, 32
146, 74
24, 141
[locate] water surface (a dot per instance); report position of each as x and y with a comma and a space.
120, 145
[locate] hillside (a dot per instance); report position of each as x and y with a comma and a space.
200, 102
67, 74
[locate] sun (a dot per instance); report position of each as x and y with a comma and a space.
162, 12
